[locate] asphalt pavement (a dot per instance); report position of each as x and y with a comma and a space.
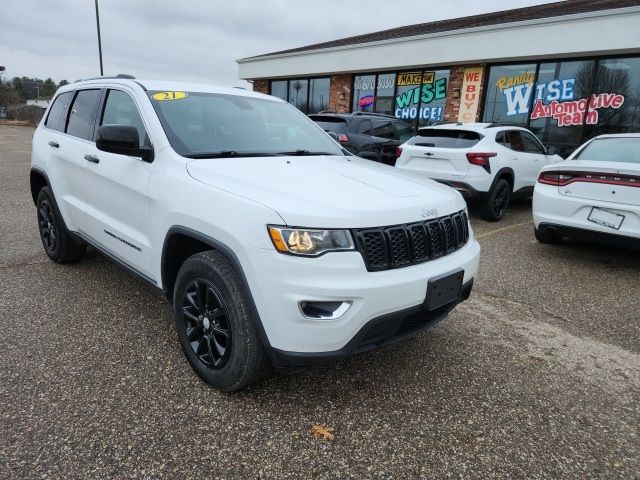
536, 376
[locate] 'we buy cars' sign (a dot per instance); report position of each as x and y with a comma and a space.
470, 94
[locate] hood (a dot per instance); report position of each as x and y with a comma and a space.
330, 191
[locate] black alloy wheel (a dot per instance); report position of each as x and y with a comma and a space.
501, 199
46, 222
207, 324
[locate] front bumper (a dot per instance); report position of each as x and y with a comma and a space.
279, 283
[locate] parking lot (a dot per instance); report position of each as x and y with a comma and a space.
537, 375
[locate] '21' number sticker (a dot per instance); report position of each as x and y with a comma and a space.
169, 95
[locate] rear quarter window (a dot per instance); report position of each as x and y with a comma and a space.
445, 138
58, 113
334, 125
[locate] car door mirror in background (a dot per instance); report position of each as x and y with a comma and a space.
334, 136
123, 140
552, 151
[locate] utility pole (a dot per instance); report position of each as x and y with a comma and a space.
99, 39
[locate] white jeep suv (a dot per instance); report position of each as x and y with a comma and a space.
273, 245
487, 163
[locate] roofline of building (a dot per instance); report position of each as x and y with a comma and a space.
461, 31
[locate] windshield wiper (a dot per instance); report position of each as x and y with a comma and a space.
230, 153
303, 153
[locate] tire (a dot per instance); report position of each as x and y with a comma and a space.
216, 329
56, 239
495, 206
547, 236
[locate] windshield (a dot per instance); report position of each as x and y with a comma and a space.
202, 125
620, 149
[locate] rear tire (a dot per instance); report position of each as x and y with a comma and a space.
495, 206
547, 236
215, 326
56, 239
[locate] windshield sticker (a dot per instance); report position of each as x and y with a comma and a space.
161, 96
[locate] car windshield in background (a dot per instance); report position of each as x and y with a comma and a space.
210, 125
620, 149
337, 126
443, 138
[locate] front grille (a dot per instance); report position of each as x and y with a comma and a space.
399, 246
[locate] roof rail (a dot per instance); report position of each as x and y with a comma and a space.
373, 114
504, 124
120, 75
436, 124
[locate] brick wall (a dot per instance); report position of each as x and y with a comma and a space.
261, 86
340, 93
452, 105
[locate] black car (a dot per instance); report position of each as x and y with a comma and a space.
368, 135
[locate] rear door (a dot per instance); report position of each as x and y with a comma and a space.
384, 140
522, 162
118, 206
441, 153
65, 165
537, 157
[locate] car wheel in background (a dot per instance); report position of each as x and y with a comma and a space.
495, 206
214, 323
56, 240
546, 235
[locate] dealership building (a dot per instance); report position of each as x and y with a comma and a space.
567, 70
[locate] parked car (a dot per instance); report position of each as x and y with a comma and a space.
272, 245
487, 163
593, 195
368, 135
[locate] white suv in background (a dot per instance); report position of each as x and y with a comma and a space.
273, 245
487, 163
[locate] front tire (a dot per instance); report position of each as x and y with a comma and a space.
215, 326
56, 239
495, 206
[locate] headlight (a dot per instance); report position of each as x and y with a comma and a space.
308, 242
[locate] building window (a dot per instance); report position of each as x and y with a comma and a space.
421, 96
364, 90
318, 94
308, 95
385, 93
567, 102
279, 89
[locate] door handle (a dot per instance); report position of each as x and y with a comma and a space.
92, 159
54, 144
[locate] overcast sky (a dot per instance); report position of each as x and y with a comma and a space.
195, 40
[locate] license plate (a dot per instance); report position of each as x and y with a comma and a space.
443, 290
606, 218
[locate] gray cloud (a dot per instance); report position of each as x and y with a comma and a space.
194, 40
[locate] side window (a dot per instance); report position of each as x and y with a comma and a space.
383, 129
365, 127
58, 113
83, 114
515, 139
403, 131
120, 109
531, 144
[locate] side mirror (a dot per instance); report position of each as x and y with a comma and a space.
123, 140
552, 150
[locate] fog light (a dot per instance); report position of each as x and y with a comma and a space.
324, 310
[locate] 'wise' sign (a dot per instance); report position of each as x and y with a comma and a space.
470, 94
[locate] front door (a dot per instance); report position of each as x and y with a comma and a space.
116, 185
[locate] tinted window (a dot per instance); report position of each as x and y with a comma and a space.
58, 113
364, 89
612, 150
336, 126
210, 124
384, 93
279, 89
298, 91
442, 138
365, 127
531, 144
383, 129
318, 94
515, 141
83, 114
403, 132
503, 139
120, 109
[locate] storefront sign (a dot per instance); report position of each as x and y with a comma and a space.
470, 94
366, 101
415, 78
554, 99
407, 102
